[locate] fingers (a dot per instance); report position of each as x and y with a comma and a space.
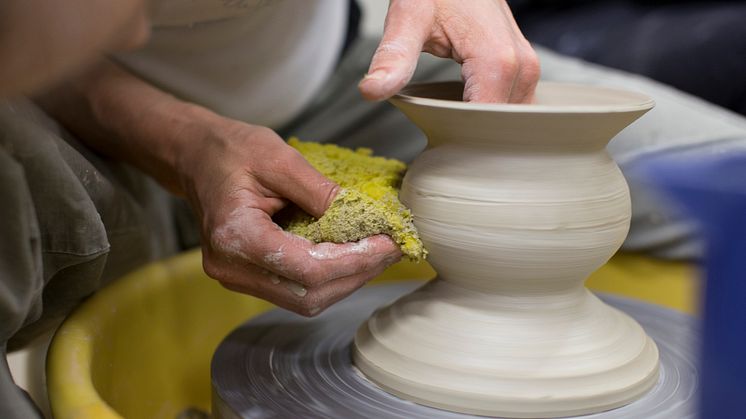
524, 85
529, 73
253, 256
314, 264
499, 65
306, 301
241, 242
489, 79
287, 173
509, 75
407, 27
249, 237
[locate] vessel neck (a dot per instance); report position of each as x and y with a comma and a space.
539, 296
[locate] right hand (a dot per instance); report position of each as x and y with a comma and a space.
236, 176
498, 64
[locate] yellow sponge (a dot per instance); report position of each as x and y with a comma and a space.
367, 205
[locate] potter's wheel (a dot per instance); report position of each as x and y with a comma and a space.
280, 365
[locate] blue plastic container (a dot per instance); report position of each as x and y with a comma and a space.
712, 191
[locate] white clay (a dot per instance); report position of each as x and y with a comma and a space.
518, 205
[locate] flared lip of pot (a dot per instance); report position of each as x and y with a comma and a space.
564, 98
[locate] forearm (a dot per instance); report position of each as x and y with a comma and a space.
235, 176
125, 118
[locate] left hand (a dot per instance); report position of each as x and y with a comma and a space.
235, 176
497, 62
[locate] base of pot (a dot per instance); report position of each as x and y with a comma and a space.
283, 365
523, 357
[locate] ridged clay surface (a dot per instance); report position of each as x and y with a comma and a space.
517, 205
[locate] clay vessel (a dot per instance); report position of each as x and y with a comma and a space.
518, 205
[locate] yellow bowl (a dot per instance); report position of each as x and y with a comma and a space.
141, 347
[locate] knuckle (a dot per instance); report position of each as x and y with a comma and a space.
310, 307
220, 234
226, 241
241, 135
307, 312
229, 286
531, 54
215, 241
312, 274
261, 134
507, 62
299, 311
530, 66
212, 269
306, 304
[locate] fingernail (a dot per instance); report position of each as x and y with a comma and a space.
297, 288
314, 310
376, 75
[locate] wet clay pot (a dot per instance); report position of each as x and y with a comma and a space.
517, 205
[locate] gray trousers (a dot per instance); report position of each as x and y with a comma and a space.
71, 221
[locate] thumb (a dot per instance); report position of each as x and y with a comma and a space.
298, 181
395, 59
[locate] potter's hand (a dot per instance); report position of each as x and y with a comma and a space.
235, 175
497, 63
236, 182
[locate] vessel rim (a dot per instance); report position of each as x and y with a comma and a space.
638, 101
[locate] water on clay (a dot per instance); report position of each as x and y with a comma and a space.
280, 365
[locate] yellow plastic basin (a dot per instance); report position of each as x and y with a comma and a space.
141, 347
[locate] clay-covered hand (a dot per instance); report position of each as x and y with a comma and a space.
497, 63
241, 177
235, 175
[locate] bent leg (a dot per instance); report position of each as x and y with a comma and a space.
70, 222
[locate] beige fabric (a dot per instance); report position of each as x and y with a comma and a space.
262, 65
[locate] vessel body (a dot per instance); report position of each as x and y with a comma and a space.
517, 206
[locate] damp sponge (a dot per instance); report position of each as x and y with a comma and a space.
367, 205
